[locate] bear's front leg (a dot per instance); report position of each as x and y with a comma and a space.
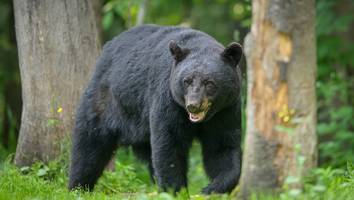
170, 146
169, 162
222, 158
223, 166
221, 147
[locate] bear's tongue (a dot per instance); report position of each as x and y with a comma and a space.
196, 117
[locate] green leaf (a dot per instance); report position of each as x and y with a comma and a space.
319, 188
292, 179
301, 160
41, 172
52, 122
25, 169
284, 129
294, 192
107, 20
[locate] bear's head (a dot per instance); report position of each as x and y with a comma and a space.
205, 82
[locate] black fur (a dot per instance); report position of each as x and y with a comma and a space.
137, 96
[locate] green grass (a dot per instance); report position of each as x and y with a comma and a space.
131, 180
321, 184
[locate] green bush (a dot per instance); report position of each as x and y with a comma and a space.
335, 86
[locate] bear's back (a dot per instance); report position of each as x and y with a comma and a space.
151, 41
137, 63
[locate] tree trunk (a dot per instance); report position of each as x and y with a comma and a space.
58, 43
281, 104
141, 14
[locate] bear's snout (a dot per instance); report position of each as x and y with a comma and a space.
194, 107
198, 110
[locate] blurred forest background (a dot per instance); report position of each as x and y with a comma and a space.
226, 20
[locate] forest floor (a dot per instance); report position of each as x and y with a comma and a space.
131, 180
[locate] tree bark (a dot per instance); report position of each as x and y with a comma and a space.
281, 103
58, 43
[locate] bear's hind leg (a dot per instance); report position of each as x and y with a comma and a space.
91, 152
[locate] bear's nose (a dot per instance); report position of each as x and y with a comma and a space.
193, 108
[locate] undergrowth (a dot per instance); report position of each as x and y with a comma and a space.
131, 180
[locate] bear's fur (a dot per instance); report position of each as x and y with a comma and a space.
156, 88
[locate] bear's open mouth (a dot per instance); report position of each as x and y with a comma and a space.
201, 114
197, 117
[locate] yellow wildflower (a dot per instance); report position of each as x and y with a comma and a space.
286, 118
60, 109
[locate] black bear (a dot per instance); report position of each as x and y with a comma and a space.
156, 88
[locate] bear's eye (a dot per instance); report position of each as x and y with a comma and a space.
187, 81
208, 83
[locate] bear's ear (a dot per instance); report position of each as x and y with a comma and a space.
177, 52
233, 53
